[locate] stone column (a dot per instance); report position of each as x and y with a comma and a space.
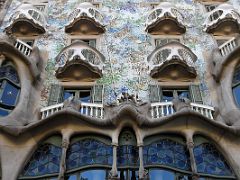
142, 172
190, 146
114, 173
65, 144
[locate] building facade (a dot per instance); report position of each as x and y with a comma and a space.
101, 89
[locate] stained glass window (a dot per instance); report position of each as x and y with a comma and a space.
45, 160
127, 152
88, 152
210, 161
236, 86
9, 88
127, 155
167, 152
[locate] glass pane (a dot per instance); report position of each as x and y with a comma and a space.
3, 112
72, 177
85, 96
210, 161
45, 160
183, 94
236, 93
88, 152
10, 94
156, 174
167, 152
167, 96
127, 156
68, 94
93, 175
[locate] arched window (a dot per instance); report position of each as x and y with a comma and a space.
236, 85
9, 88
89, 158
209, 161
166, 157
45, 161
127, 155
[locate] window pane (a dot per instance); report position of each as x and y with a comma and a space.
3, 112
93, 175
85, 96
210, 161
10, 94
236, 93
167, 96
72, 177
161, 175
68, 94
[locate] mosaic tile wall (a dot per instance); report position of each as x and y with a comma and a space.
125, 44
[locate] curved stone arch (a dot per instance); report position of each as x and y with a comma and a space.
46, 138
222, 151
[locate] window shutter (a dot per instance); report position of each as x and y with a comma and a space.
56, 94
155, 93
195, 92
97, 93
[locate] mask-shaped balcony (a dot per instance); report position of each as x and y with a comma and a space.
165, 19
80, 62
172, 61
223, 20
86, 19
27, 21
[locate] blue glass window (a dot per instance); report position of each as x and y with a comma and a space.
83, 94
88, 152
9, 95
45, 160
210, 161
156, 174
167, 152
127, 155
9, 88
93, 174
236, 86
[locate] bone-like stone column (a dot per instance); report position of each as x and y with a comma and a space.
142, 172
65, 144
113, 173
190, 146
2, 58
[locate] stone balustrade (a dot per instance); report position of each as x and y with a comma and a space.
227, 47
158, 110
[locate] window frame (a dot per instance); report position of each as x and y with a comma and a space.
78, 91
164, 37
225, 38
44, 4
28, 38
210, 3
84, 37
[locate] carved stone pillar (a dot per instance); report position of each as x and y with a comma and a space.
190, 146
114, 173
142, 171
65, 144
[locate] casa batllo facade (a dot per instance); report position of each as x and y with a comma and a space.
119, 90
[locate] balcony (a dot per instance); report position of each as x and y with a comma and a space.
223, 20
80, 62
86, 19
229, 46
165, 19
158, 110
26, 21
172, 61
23, 47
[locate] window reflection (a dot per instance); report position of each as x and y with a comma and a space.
157, 174
96, 174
